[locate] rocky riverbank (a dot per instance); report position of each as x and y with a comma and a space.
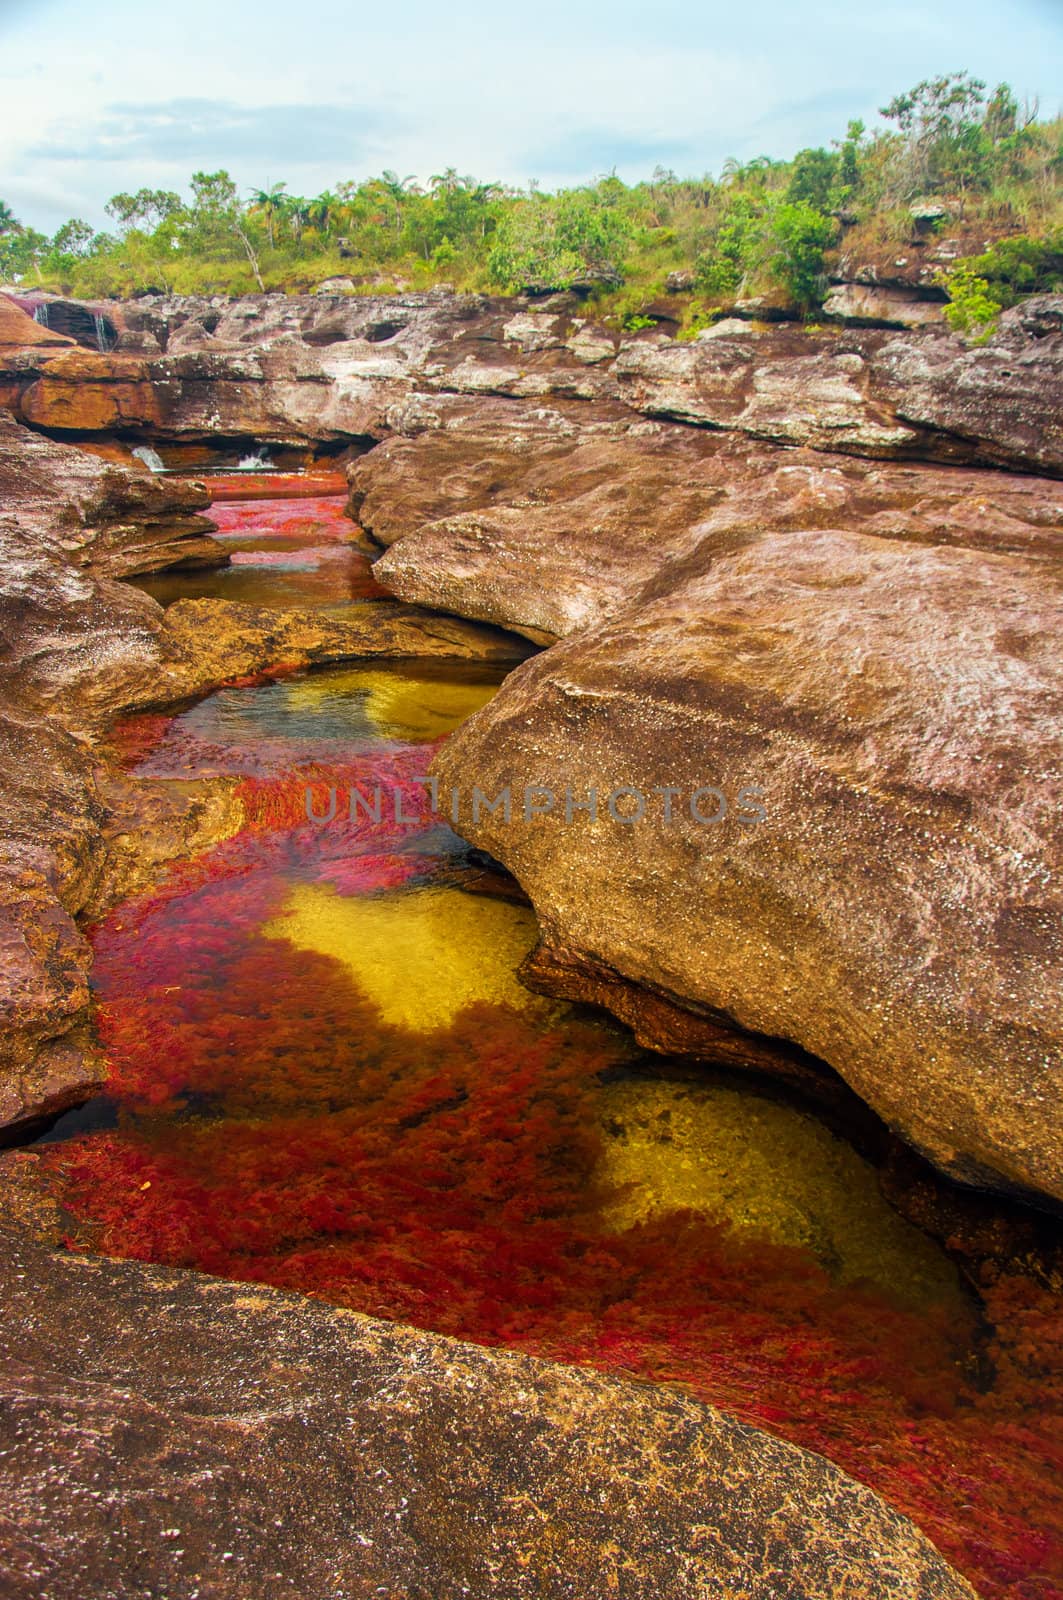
79, 649
818, 563
778, 557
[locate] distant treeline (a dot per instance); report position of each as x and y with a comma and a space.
964, 158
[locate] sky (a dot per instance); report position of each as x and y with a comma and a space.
107, 96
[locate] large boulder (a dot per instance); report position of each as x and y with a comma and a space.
18, 330
871, 643
165, 1433
898, 709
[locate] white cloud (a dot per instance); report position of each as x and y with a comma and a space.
110, 96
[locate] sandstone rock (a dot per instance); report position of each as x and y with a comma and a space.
532, 330
771, 307
866, 306
299, 370
1036, 318
144, 1456
18, 329
1003, 399
727, 328
805, 393
899, 706
335, 286
718, 619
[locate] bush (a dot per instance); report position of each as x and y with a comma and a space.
1021, 266
971, 309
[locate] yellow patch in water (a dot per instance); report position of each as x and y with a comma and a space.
422, 955
397, 704
767, 1169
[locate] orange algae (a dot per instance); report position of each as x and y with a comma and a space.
278, 1126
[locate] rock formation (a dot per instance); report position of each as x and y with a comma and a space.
318, 368
214, 1436
871, 643
818, 564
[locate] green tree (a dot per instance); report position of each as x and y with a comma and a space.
812, 178
270, 203
733, 248
800, 236
74, 238
148, 209
552, 243
941, 125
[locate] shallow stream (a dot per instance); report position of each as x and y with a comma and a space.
326, 1075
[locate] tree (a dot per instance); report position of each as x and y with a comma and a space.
812, 178
941, 125
74, 238
1001, 114
552, 243
733, 246
20, 247
800, 236
215, 200
147, 209
938, 108
270, 203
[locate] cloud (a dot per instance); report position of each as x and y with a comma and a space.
215, 132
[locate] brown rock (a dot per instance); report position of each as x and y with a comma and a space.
18, 330
899, 706
719, 622
873, 306
242, 1441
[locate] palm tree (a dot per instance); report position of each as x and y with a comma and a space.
9, 223
320, 211
270, 202
297, 211
446, 181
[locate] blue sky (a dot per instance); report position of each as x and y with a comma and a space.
95, 98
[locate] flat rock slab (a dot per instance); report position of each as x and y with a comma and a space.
171, 1435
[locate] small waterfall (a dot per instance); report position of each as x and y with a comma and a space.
151, 458
259, 461
104, 342
40, 314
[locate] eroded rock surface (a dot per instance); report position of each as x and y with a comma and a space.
313, 368
871, 642
229, 1440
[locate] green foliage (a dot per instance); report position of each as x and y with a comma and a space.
732, 247
1021, 266
553, 242
813, 178
762, 226
75, 238
800, 236
971, 309
148, 209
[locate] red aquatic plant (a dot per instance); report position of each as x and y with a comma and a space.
311, 517
274, 1127
448, 1180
